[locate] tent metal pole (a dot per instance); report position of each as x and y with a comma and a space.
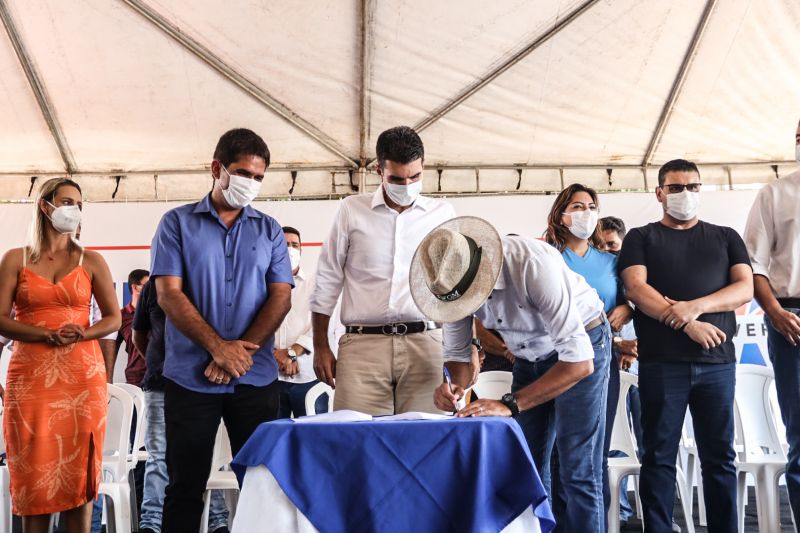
215, 62
367, 16
487, 78
38, 88
669, 105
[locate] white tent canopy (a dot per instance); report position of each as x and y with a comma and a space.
509, 96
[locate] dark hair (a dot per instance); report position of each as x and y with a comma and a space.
557, 233
676, 165
400, 144
293, 231
613, 224
240, 142
136, 276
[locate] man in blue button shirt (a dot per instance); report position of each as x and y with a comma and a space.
224, 280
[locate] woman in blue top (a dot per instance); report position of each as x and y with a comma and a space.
572, 228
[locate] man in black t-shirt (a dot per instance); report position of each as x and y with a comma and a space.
686, 278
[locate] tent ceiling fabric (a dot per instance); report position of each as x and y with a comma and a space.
131, 98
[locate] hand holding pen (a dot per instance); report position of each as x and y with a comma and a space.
447, 395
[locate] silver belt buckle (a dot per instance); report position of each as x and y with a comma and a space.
395, 329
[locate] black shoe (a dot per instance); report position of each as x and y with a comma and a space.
223, 529
147, 530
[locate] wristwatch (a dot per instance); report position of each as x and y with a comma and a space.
477, 343
510, 401
292, 354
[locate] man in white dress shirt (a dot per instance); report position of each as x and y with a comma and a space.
293, 344
390, 359
772, 237
553, 321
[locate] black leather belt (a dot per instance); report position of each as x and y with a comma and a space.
396, 328
794, 303
594, 323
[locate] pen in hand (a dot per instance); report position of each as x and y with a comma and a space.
449, 381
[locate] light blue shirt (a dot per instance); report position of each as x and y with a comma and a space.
599, 269
225, 274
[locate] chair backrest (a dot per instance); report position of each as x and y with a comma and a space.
755, 424
492, 385
622, 437
118, 431
314, 393
222, 449
137, 395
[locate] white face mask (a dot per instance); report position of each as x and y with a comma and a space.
683, 205
583, 223
241, 191
294, 258
66, 218
403, 195
797, 152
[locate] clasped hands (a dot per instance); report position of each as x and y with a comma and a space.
683, 315
230, 360
66, 334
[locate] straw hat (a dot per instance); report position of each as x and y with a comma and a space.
455, 268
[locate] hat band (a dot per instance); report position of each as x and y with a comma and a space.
475, 253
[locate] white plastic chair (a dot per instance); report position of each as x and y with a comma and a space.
136, 454
689, 446
761, 454
5, 485
492, 385
314, 393
622, 439
221, 478
115, 487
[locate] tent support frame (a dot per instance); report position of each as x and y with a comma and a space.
677, 85
487, 78
38, 88
259, 94
367, 15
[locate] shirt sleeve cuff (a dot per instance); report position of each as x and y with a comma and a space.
575, 350
759, 270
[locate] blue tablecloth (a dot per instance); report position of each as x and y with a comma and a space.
464, 475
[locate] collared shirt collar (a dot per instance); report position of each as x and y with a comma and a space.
377, 199
500, 284
205, 206
300, 275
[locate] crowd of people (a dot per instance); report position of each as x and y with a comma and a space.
226, 326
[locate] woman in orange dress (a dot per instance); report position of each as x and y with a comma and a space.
56, 395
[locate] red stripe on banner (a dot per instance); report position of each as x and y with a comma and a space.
146, 247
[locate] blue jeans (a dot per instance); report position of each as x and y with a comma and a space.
786, 364
155, 471
666, 389
293, 399
575, 423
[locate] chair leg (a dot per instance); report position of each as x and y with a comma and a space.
638, 498
680, 481
701, 497
134, 503
613, 508
741, 498
206, 511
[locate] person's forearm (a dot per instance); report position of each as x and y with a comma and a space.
140, 340
726, 299
648, 300
319, 325
17, 331
268, 318
460, 373
764, 295
106, 325
560, 378
109, 349
187, 319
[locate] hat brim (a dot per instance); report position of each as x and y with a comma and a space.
488, 239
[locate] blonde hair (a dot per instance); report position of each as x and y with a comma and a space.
47, 192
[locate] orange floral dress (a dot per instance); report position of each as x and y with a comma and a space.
55, 401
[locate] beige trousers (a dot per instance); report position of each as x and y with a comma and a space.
388, 374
